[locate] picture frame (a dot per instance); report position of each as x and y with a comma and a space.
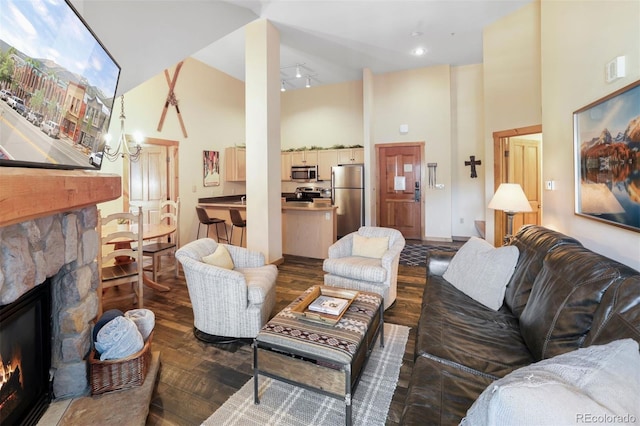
607, 159
211, 168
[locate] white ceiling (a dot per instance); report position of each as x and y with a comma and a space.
333, 40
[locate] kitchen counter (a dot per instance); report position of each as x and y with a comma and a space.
302, 223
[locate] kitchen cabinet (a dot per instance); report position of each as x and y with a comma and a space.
285, 166
235, 162
304, 158
327, 158
351, 156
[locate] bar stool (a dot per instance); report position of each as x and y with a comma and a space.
204, 219
237, 222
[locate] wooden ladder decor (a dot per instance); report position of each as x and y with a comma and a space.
172, 100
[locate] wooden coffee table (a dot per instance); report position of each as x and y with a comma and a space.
323, 358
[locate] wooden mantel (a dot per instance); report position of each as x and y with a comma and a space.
27, 193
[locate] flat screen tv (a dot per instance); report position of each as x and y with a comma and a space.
57, 87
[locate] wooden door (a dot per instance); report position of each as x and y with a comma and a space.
517, 159
400, 188
524, 169
154, 177
148, 182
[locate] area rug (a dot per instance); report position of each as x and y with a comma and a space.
288, 405
416, 254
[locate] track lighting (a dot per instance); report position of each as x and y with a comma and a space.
308, 82
298, 74
282, 88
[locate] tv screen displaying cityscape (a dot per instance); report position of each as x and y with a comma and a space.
57, 87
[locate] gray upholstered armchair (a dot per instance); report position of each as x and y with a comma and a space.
375, 274
228, 303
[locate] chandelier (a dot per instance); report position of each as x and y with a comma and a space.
123, 148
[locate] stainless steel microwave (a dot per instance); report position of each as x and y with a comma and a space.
304, 173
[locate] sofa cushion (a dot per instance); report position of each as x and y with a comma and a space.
220, 258
374, 247
618, 315
482, 271
260, 282
564, 299
533, 243
356, 268
440, 394
455, 328
573, 388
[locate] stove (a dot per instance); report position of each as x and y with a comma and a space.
308, 193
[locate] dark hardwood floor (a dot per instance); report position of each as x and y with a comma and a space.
196, 378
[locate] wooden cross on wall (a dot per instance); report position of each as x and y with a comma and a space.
172, 100
473, 163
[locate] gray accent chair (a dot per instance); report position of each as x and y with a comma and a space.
364, 273
228, 304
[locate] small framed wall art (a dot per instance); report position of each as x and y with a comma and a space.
607, 158
211, 168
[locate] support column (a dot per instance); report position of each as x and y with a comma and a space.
262, 106
369, 150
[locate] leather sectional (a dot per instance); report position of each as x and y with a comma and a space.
561, 297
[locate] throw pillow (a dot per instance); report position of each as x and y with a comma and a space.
220, 257
597, 384
482, 271
374, 247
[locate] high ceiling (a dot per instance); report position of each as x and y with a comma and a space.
331, 40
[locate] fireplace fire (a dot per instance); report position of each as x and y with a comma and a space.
25, 356
11, 384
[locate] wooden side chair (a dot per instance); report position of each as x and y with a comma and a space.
169, 213
123, 264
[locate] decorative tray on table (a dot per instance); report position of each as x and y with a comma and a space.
325, 305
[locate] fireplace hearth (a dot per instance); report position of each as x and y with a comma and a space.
25, 357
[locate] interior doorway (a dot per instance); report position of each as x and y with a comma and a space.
154, 177
517, 157
399, 183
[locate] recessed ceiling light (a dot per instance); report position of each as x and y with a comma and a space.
419, 51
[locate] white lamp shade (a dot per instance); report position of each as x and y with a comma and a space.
510, 198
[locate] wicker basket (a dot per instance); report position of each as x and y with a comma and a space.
107, 376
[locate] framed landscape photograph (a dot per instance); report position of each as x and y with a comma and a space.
607, 158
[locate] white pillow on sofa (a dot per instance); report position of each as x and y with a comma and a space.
482, 271
597, 384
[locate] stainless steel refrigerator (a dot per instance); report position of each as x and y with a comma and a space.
347, 192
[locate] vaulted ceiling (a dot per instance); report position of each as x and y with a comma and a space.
331, 41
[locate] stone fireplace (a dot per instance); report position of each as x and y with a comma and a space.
48, 224
62, 247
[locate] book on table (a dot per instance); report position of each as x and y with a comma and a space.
328, 305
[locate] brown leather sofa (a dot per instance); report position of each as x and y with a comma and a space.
561, 297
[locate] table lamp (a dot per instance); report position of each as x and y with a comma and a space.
510, 198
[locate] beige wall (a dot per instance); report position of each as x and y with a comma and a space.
212, 108
467, 197
512, 99
421, 99
322, 116
574, 55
